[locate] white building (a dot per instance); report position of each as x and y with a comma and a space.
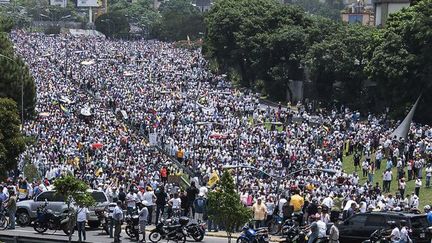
383, 8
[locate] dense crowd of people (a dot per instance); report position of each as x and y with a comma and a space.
99, 100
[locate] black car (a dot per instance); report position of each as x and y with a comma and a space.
360, 226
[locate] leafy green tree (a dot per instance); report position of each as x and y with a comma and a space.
339, 61
12, 142
180, 19
225, 208
402, 63
113, 24
140, 12
6, 23
75, 191
15, 78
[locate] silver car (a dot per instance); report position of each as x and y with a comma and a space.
27, 209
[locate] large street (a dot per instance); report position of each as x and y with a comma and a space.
92, 236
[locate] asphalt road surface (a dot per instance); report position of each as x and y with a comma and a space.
92, 236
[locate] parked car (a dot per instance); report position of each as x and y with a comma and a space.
360, 226
27, 209
102, 203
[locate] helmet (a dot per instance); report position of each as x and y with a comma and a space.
427, 207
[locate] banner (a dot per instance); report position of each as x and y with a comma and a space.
153, 139
214, 178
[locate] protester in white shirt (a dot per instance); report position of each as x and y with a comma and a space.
82, 215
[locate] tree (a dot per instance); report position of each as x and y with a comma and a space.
225, 208
401, 63
180, 19
336, 65
140, 12
12, 142
75, 191
15, 78
113, 24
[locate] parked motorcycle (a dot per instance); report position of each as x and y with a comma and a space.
292, 232
132, 226
195, 231
250, 235
48, 220
170, 231
103, 219
378, 236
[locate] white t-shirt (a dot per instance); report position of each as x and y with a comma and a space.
395, 235
131, 200
82, 214
148, 198
176, 203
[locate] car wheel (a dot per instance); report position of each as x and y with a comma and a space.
23, 218
94, 224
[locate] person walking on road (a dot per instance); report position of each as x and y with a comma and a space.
143, 216
11, 208
118, 218
82, 216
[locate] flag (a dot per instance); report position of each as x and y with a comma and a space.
98, 171
214, 178
188, 40
64, 109
401, 132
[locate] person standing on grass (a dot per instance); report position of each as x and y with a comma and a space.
378, 158
387, 177
402, 186
428, 174
365, 166
371, 172
418, 184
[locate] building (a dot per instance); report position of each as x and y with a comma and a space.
383, 8
358, 12
203, 5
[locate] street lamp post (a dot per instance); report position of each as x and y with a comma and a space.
22, 90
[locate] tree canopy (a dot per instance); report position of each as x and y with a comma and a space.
265, 46
12, 142
402, 61
15, 77
224, 206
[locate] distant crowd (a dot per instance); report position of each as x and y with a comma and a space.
99, 100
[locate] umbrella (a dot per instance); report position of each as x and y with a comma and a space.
218, 136
96, 145
88, 62
128, 73
85, 111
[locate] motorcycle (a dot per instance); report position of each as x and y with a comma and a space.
249, 235
132, 226
103, 219
378, 235
47, 219
170, 231
195, 231
293, 233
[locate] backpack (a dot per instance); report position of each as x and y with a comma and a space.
199, 205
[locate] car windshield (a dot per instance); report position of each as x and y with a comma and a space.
419, 222
99, 196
